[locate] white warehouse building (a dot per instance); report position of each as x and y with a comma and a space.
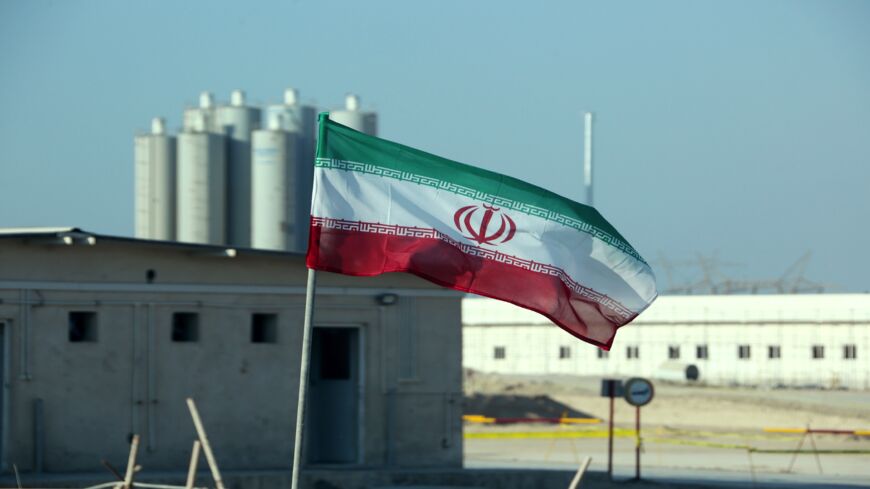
820, 340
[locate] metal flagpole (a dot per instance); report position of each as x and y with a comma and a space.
587, 156
303, 375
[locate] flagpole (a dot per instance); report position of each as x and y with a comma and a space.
303, 375
304, 361
587, 156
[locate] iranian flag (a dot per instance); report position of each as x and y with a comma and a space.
383, 207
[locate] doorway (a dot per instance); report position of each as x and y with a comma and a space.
332, 426
4, 385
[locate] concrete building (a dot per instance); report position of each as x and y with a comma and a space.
102, 337
818, 340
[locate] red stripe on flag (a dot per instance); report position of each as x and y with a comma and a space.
367, 254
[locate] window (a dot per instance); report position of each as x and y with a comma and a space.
185, 327
701, 352
632, 352
498, 353
603, 354
564, 352
82, 327
818, 352
264, 328
773, 352
850, 352
674, 352
743, 352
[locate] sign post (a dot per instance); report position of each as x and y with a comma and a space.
638, 392
611, 388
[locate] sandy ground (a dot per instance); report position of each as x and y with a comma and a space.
691, 428
692, 407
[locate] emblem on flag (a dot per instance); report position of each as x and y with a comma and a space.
477, 231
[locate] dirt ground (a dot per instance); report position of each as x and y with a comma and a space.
685, 428
680, 406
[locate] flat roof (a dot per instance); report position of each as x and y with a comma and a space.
73, 235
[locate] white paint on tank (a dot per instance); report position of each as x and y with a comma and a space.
237, 122
198, 119
155, 170
206, 100
237, 98
351, 102
158, 125
291, 96
275, 219
355, 118
274, 121
201, 188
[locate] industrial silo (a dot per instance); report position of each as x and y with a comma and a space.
201, 187
275, 209
355, 118
301, 122
236, 121
202, 118
154, 156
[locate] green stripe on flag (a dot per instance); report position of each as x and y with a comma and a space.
350, 150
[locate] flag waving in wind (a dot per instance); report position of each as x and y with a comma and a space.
379, 207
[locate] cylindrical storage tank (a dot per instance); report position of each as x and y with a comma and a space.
276, 223
236, 121
301, 120
355, 118
154, 157
677, 372
202, 118
201, 188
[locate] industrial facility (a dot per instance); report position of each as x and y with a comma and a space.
798, 340
228, 179
103, 337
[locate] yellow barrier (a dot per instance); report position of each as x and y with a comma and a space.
548, 434
479, 418
785, 430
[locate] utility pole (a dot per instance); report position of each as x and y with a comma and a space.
587, 156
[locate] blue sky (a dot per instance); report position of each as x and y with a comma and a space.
738, 127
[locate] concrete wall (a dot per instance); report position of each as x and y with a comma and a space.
134, 378
795, 324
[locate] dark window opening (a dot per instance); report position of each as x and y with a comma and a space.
743, 352
499, 353
818, 352
185, 327
773, 352
674, 352
264, 328
334, 354
632, 352
564, 352
850, 352
82, 326
603, 354
701, 352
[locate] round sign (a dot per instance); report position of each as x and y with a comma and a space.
638, 391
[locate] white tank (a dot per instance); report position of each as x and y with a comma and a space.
679, 372
201, 188
154, 159
290, 138
237, 121
355, 118
279, 221
202, 118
